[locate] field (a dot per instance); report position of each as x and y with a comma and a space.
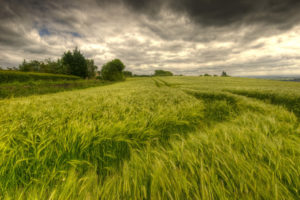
154, 138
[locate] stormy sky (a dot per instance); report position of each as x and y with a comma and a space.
191, 37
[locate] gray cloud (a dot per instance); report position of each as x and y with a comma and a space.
184, 36
221, 13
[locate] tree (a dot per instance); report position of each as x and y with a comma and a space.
127, 73
91, 68
162, 73
113, 70
76, 63
224, 74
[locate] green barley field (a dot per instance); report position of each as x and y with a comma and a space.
154, 138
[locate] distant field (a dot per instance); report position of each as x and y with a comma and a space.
17, 76
154, 138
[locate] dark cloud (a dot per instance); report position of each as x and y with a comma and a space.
10, 37
221, 13
184, 36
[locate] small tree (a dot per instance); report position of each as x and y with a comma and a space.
224, 74
76, 63
91, 67
113, 70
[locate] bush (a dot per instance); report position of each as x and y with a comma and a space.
11, 76
162, 73
91, 67
47, 66
127, 74
113, 70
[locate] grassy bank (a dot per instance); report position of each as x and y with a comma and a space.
19, 89
152, 138
17, 76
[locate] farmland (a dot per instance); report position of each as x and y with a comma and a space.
154, 138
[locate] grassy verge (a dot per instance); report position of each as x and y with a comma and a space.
12, 76
19, 89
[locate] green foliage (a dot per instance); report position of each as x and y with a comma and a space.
31, 66
153, 138
91, 67
11, 76
76, 63
207, 75
113, 70
162, 73
127, 73
47, 66
72, 63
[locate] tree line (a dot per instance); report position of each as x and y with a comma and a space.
223, 74
71, 63
74, 63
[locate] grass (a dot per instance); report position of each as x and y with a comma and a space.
20, 89
13, 76
153, 138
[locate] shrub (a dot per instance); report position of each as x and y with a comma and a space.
33, 65
113, 70
91, 68
162, 73
47, 66
127, 73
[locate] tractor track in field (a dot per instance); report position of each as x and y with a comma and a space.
292, 104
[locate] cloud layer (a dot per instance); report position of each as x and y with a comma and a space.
243, 37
